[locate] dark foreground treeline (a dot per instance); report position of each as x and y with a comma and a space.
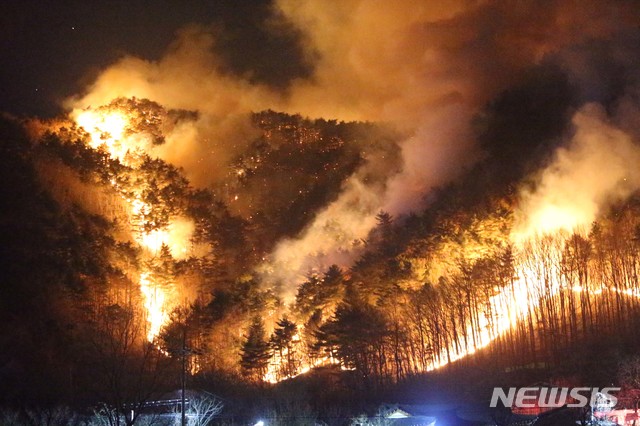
73, 325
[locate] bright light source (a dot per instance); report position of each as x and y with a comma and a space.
260, 423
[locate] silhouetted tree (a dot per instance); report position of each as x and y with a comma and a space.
283, 342
255, 352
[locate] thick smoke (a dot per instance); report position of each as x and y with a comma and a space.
426, 67
188, 77
599, 166
333, 237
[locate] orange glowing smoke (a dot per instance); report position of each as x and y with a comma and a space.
109, 129
568, 196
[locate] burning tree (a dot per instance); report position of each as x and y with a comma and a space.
284, 343
427, 290
256, 351
357, 335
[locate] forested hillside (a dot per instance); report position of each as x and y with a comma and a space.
131, 267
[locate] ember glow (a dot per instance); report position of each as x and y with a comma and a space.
567, 197
155, 304
276, 370
372, 194
109, 128
555, 208
570, 194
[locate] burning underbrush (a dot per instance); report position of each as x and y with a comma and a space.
412, 302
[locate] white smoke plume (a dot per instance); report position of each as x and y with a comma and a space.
425, 67
598, 167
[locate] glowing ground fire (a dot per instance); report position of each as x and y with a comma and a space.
505, 310
108, 129
516, 302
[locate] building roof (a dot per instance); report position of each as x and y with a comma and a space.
414, 421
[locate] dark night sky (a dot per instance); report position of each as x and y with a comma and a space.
50, 50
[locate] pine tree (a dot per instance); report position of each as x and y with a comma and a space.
282, 341
255, 353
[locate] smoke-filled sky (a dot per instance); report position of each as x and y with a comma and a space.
50, 50
429, 68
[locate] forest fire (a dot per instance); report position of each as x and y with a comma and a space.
175, 236
505, 309
280, 368
298, 216
519, 301
106, 129
110, 128
154, 304
545, 228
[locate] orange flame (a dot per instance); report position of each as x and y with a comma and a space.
109, 129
